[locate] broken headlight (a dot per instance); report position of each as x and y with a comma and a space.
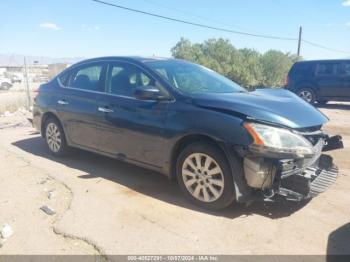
269, 139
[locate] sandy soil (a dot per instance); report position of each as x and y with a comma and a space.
107, 207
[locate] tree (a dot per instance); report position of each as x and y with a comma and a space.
275, 67
250, 68
245, 66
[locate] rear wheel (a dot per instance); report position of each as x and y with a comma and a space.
55, 138
307, 94
204, 176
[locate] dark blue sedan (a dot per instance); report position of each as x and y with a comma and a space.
221, 143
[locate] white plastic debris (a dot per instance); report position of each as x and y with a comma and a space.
6, 231
51, 194
48, 210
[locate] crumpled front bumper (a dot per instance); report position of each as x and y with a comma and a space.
309, 183
296, 179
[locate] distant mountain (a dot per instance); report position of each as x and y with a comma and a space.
18, 60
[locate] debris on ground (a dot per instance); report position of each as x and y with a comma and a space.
48, 210
19, 112
6, 231
51, 194
17, 118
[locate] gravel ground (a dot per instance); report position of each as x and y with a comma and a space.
107, 207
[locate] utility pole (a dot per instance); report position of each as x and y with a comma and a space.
27, 83
299, 40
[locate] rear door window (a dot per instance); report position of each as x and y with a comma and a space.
64, 78
87, 77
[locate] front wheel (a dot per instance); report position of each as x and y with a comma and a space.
204, 176
55, 138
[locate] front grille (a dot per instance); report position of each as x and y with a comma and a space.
323, 180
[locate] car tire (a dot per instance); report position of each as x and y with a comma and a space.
208, 183
55, 138
307, 94
5, 86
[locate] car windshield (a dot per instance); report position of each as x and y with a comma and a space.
192, 78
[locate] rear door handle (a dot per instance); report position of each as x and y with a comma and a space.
62, 102
105, 110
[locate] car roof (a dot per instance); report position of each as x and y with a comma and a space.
140, 59
323, 61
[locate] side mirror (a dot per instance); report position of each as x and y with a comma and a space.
147, 93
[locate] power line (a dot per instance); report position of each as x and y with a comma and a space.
197, 24
219, 28
203, 18
324, 47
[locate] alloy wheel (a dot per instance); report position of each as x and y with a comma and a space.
306, 95
203, 177
53, 137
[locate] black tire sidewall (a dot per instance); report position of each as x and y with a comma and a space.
64, 148
216, 153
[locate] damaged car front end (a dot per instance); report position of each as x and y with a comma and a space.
288, 164
283, 157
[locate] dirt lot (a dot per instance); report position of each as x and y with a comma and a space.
107, 207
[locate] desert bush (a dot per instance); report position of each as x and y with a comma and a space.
245, 66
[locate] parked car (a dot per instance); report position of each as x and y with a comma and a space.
16, 79
320, 81
5, 83
189, 123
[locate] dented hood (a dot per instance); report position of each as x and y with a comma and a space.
277, 106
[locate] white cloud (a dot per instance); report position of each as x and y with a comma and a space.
346, 2
51, 26
347, 24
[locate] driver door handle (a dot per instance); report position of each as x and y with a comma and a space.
105, 110
62, 102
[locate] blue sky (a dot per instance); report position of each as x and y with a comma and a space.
82, 28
